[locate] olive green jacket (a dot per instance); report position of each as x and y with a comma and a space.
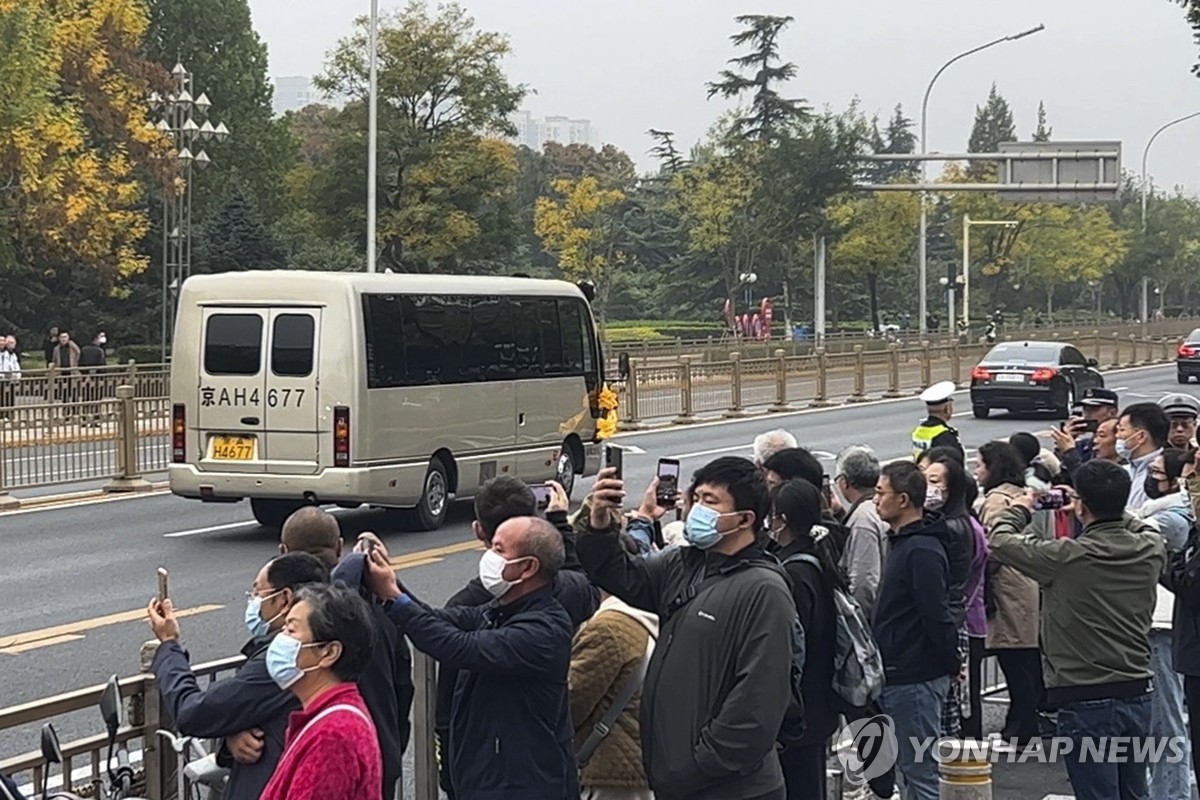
1098, 595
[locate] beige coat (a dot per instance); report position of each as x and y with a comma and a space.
1015, 625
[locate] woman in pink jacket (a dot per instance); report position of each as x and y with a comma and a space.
332, 750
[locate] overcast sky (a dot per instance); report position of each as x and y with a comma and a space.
1106, 69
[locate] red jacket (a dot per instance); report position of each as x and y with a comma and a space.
332, 753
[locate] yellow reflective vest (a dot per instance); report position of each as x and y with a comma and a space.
926, 432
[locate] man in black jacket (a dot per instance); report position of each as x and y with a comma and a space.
510, 729
718, 683
913, 623
248, 710
500, 500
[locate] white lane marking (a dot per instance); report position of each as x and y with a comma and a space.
210, 529
735, 449
632, 449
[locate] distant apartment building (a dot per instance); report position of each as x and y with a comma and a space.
294, 93
533, 133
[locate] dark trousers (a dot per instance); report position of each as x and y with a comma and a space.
972, 726
804, 771
885, 784
1023, 675
1191, 696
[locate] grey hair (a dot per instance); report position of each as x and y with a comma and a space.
544, 542
769, 443
338, 613
859, 465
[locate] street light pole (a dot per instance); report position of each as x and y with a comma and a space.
180, 110
921, 246
1145, 299
372, 132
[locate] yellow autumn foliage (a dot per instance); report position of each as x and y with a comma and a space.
81, 126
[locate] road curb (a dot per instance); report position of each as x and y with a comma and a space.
80, 498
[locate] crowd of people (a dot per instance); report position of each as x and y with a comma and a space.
619, 654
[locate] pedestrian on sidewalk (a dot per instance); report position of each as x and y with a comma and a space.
332, 750
914, 624
10, 374
866, 542
1099, 598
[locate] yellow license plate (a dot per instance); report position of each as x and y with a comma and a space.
233, 448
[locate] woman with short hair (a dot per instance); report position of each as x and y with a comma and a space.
332, 750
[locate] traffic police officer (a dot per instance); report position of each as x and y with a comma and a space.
1183, 411
935, 431
1098, 405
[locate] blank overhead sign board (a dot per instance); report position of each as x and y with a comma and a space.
1062, 172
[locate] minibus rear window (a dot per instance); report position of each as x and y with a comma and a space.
233, 344
292, 345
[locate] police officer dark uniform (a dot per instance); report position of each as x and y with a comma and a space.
935, 431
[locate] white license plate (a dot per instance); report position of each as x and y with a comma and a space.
1010, 377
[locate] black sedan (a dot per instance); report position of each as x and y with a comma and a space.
1032, 376
1187, 359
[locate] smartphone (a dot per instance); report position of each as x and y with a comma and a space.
1091, 425
614, 457
668, 482
162, 584
541, 493
827, 488
1052, 500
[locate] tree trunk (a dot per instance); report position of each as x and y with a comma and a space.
1050, 304
873, 290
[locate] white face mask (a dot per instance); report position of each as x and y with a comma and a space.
934, 498
491, 573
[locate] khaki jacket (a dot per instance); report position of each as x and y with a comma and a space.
1015, 624
607, 649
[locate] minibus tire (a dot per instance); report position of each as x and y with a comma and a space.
273, 513
422, 517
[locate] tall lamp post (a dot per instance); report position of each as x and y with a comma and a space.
180, 110
1145, 300
372, 131
923, 305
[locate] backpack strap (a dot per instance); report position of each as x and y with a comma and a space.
628, 689
806, 558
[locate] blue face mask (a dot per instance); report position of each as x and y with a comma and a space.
282, 656
700, 529
1122, 448
255, 624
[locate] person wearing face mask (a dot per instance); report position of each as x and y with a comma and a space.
1168, 511
248, 710
795, 526
913, 623
948, 485
1142, 431
1098, 605
510, 726
332, 750
717, 687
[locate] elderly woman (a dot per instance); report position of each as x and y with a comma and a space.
332, 750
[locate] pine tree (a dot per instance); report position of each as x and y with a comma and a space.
1044, 131
769, 112
236, 240
993, 125
897, 139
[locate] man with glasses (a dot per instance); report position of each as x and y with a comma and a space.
248, 711
1182, 410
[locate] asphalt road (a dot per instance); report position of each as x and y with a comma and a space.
73, 566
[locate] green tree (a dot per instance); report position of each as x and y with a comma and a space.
1192, 8
216, 41
1043, 131
875, 237
610, 165
993, 125
445, 186
666, 152
769, 111
236, 239
581, 228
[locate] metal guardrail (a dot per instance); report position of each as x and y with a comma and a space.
692, 388
147, 714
